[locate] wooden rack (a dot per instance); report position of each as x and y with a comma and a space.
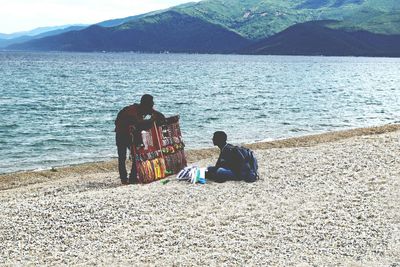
160, 152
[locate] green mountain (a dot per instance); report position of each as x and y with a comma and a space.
226, 26
257, 19
169, 31
316, 38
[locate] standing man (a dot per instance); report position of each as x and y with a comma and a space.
133, 117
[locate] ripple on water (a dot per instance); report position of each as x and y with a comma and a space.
65, 104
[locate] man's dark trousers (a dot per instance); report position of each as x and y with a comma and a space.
123, 143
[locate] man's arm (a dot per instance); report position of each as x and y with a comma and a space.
158, 117
237, 162
231, 159
218, 164
144, 125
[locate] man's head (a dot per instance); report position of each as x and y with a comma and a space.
146, 104
219, 139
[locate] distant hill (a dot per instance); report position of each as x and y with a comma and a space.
117, 22
25, 38
221, 26
315, 38
173, 32
120, 21
40, 31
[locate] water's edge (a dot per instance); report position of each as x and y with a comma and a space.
58, 109
18, 179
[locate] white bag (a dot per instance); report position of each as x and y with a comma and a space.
191, 174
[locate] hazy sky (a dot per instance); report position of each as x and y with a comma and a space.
21, 15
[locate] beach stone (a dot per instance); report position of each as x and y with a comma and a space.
328, 204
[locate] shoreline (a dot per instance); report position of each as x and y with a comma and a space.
388, 56
24, 178
329, 198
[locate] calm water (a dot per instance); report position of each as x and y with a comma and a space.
59, 108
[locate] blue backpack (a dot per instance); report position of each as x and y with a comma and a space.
249, 165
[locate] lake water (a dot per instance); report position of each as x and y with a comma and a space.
59, 108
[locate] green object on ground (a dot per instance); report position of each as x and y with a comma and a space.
165, 181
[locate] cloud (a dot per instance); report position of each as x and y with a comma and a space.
18, 15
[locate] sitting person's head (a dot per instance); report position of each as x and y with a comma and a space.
219, 139
146, 104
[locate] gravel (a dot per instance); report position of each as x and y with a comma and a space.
329, 204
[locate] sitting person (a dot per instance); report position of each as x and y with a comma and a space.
234, 163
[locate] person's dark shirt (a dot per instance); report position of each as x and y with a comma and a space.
229, 159
130, 116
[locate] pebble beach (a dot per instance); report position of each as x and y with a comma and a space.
323, 200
